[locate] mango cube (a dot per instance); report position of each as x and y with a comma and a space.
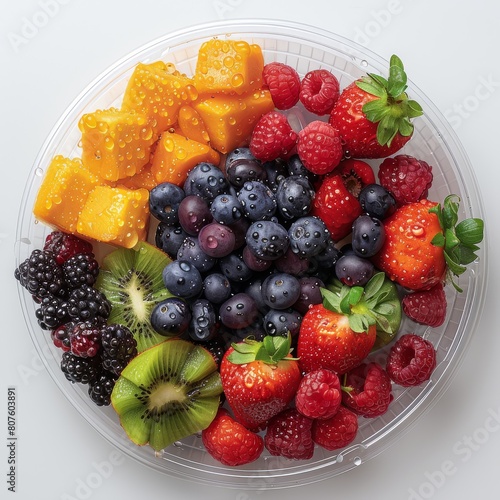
115, 215
63, 193
115, 144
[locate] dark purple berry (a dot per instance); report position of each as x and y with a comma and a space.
203, 324
267, 240
257, 200
294, 197
308, 236
310, 293
191, 251
216, 240
281, 322
368, 236
226, 209
206, 181
194, 213
239, 311
376, 201
280, 290
164, 201
182, 278
216, 288
171, 317
353, 270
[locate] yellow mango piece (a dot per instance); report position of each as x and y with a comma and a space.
115, 215
230, 119
228, 66
176, 155
158, 91
63, 193
115, 144
144, 179
191, 125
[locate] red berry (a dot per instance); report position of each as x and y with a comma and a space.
85, 339
426, 307
61, 336
64, 246
319, 394
336, 206
356, 174
273, 137
407, 178
283, 83
367, 390
319, 147
411, 360
336, 432
319, 91
289, 435
229, 442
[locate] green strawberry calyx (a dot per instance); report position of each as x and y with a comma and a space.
458, 239
392, 110
377, 303
271, 350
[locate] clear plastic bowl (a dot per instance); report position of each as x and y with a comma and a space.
305, 48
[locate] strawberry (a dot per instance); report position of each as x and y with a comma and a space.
259, 379
229, 442
356, 175
336, 206
367, 390
338, 334
373, 114
336, 432
424, 244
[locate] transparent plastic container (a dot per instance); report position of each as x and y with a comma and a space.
305, 48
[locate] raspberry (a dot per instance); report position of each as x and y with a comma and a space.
319, 91
81, 269
85, 339
319, 394
229, 442
41, 275
319, 147
273, 137
426, 307
407, 178
336, 432
411, 360
87, 303
367, 390
52, 313
283, 83
101, 388
64, 246
118, 347
81, 370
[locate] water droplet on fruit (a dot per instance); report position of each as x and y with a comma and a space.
237, 80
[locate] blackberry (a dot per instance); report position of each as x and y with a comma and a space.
52, 313
86, 303
41, 275
100, 389
216, 348
81, 269
85, 338
60, 336
64, 246
81, 370
118, 347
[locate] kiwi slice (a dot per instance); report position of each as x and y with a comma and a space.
131, 279
167, 393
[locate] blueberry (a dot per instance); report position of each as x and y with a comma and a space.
239, 311
226, 209
216, 288
253, 262
280, 322
257, 200
294, 197
276, 171
376, 201
254, 289
327, 258
234, 268
182, 278
310, 293
205, 180
368, 236
280, 290
267, 240
194, 213
169, 238
191, 251
242, 166
308, 236
203, 324
353, 270
164, 201
216, 240
170, 317
291, 263
296, 167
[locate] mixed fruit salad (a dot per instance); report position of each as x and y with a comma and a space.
212, 270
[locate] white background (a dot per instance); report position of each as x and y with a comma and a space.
451, 52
